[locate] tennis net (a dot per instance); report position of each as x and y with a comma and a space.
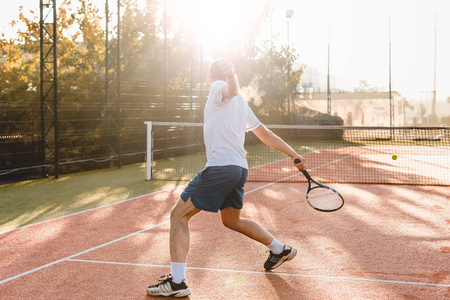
334, 154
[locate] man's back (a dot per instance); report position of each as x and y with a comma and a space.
226, 121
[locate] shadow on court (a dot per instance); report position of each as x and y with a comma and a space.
387, 242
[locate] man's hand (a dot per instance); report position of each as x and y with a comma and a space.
232, 88
227, 68
299, 163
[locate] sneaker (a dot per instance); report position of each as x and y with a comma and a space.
168, 288
275, 260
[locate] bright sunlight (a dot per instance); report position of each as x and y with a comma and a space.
213, 22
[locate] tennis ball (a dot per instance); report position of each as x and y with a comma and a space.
235, 280
394, 157
320, 180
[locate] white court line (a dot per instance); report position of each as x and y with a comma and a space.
129, 235
88, 250
287, 158
286, 178
80, 253
342, 158
268, 273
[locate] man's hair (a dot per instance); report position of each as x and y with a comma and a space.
215, 72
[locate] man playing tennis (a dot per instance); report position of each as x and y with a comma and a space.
220, 186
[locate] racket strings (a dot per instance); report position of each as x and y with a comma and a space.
324, 199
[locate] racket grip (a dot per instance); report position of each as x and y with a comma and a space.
306, 174
297, 161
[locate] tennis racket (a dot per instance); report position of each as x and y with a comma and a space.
320, 196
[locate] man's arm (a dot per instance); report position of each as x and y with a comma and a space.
274, 141
231, 89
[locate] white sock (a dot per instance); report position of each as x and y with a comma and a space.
178, 272
276, 247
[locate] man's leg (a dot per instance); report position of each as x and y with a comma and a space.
175, 285
231, 219
179, 229
279, 253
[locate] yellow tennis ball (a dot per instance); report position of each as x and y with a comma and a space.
320, 180
394, 157
235, 280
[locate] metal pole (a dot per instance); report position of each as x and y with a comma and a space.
108, 134
119, 159
201, 79
49, 81
166, 106
328, 84
433, 103
191, 111
165, 61
289, 14
289, 73
271, 54
55, 91
41, 92
149, 150
391, 101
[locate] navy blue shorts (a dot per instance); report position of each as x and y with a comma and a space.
216, 188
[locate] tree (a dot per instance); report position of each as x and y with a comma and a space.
270, 79
81, 75
19, 78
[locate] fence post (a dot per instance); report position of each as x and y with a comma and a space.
149, 155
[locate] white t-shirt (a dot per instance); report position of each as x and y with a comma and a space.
226, 122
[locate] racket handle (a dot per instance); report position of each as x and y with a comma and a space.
306, 174
297, 161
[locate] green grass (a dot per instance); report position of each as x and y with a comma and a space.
35, 201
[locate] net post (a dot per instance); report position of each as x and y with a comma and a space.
149, 151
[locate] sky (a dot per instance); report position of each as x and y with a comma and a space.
357, 32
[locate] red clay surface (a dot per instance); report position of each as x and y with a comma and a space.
388, 242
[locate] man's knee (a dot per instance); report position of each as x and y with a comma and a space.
177, 212
233, 225
183, 210
231, 220
173, 214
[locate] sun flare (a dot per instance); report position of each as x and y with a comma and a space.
214, 22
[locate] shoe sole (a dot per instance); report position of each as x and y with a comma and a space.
177, 294
288, 257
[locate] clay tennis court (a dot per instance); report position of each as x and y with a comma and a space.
387, 242
364, 165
